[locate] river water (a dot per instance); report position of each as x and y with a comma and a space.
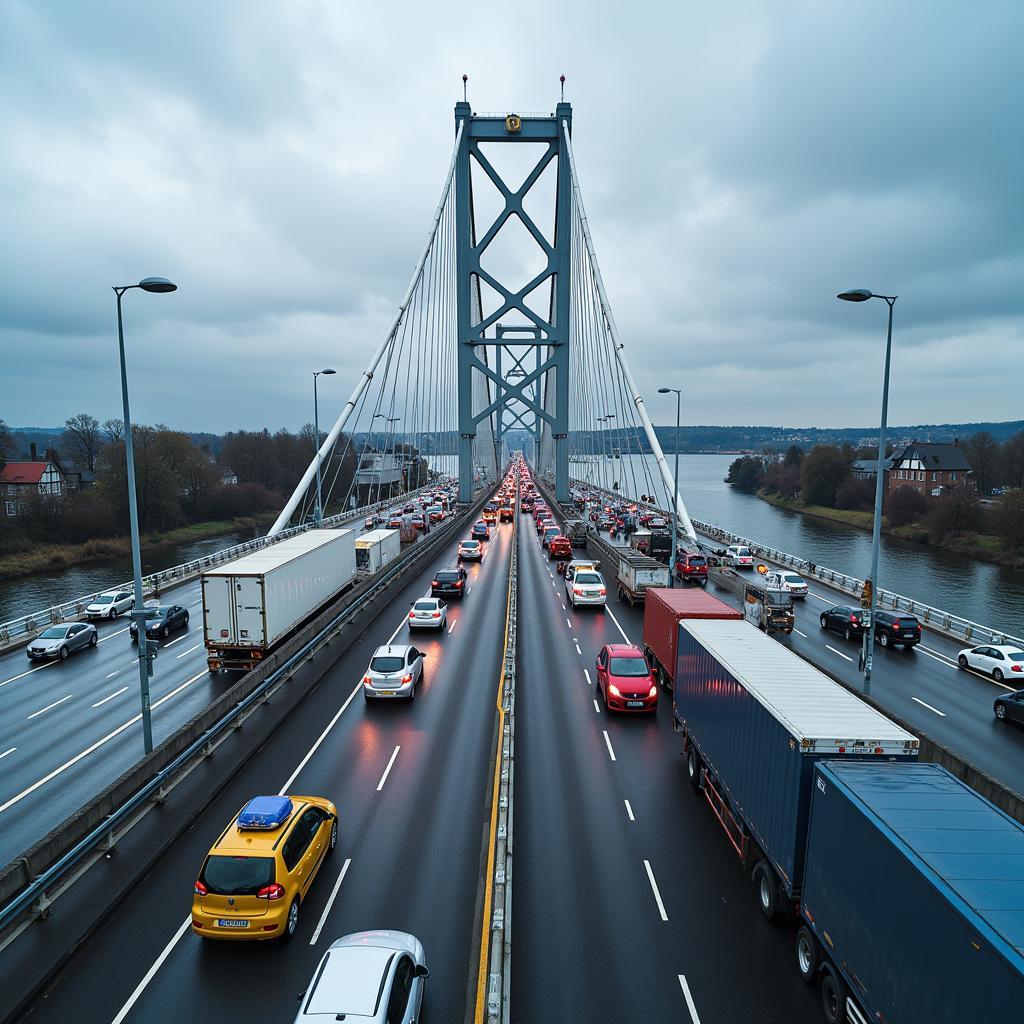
989, 594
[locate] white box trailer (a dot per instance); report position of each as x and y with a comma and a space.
251, 604
636, 573
375, 549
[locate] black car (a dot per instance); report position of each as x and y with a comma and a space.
1009, 707
168, 617
449, 581
896, 628
843, 619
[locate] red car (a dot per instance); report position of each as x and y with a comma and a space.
625, 679
692, 568
560, 547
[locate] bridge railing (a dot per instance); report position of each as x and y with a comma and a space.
955, 626
26, 627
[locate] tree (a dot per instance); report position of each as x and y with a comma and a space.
1007, 519
1011, 458
199, 478
794, 456
746, 474
955, 511
823, 469
856, 493
82, 439
904, 506
114, 429
7, 445
982, 451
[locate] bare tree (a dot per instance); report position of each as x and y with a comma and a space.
114, 429
982, 451
7, 445
82, 439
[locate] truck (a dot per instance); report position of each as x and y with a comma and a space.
578, 531
256, 602
755, 719
766, 603
664, 609
913, 897
636, 573
375, 549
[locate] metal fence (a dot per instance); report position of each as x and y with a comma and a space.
956, 626
25, 627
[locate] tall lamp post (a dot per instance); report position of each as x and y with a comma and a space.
318, 513
675, 483
871, 585
138, 612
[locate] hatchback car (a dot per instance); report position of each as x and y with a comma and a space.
394, 672
548, 535
559, 547
843, 619
428, 613
449, 581
168, 618
367, 978
480, 531
692, 568
471, 551
110, 604
998, 661
896, 628
625, 680
587, 587
742, 557
1009, 707
258, 872
60, 641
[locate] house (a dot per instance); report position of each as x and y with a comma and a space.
929, 468
228, 477
865, 469
20, 481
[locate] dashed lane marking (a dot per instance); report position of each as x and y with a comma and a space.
798, 633
928, 706
387, 771
10, 750
116, 693
578, 651
42, 711
330, 901
840, 653
587, 674
597, 707
608, 744
189, 651
115, 633
629, 811
654, 889
689, 999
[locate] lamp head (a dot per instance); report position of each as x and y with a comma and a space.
327, 372
856, 295
157, 284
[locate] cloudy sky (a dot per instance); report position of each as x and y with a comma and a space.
741, 163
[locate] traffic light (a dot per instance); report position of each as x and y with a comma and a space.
865, 595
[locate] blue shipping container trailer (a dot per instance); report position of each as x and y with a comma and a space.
913, 898
755, 720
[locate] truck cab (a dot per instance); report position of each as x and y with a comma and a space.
768, 606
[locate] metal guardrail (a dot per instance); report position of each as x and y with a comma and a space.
101, 835
955, 626
28, 625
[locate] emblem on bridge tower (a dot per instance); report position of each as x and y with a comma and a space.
513, 122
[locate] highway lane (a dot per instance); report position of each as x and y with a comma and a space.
624, 886
411, 836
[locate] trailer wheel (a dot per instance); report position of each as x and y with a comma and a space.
693, 767
808, 954
767, 891
833, 996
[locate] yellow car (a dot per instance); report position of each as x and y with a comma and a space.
261, 867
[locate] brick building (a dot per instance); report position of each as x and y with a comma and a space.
929, 468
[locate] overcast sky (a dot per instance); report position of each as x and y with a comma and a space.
740, 163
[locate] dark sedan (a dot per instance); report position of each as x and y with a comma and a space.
449, 581
843, 619
168, 618
1009, 707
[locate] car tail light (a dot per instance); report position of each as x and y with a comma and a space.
199, 889
602, 591
436, 615
654, 692
1016, 668
577, 592
412, 615
434, 583
407, 678
367, 680
458, 583
274, 891
853, 618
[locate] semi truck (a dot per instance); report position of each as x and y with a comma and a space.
375, 549
912, 907
636, 574
755, 719
254, 603
664, 609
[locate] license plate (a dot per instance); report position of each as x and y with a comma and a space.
634, 703
232, 922
386, 693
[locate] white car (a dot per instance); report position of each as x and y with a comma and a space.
428, 613
995, 660
470, 550
587, 588
110, 604
791, 581
741, 556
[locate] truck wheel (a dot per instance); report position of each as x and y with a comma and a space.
663, 678
833, 996
693, 768
621, 593
767, 891
808, 954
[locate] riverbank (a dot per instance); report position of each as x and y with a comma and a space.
982, 546
49, 558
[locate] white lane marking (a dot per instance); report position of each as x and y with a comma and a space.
798, 633
116, 693
629, 811
587, 674
95, 746
568, 623
939, 654
689, 999
330, 901
654, 889
176, 640
117, 633
387, 771
563, 606
38, 668
110, 675
553, 583
452, 626
929, 707
468, 589
396, 632
840, 653
11, 750
618, 625
597, 707
935, 657
36, 714
608, 744
189, 651
148, 976
818, 597
578, 651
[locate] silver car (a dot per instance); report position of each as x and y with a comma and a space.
60, 641
587, 587
428, 613
110, 605
394, 673
369, 977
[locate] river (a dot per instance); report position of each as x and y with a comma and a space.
989, 594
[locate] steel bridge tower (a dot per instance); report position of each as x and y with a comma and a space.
525, 365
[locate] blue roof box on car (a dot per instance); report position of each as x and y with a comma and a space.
265, 812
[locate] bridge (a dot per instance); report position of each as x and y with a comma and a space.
548, 854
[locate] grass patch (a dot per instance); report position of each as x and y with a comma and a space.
851, 517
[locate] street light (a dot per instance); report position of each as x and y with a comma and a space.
675, 483
867, 651
138, 612
318, 512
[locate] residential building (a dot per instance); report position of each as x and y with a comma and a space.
20, 481
228, 477
929, 467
